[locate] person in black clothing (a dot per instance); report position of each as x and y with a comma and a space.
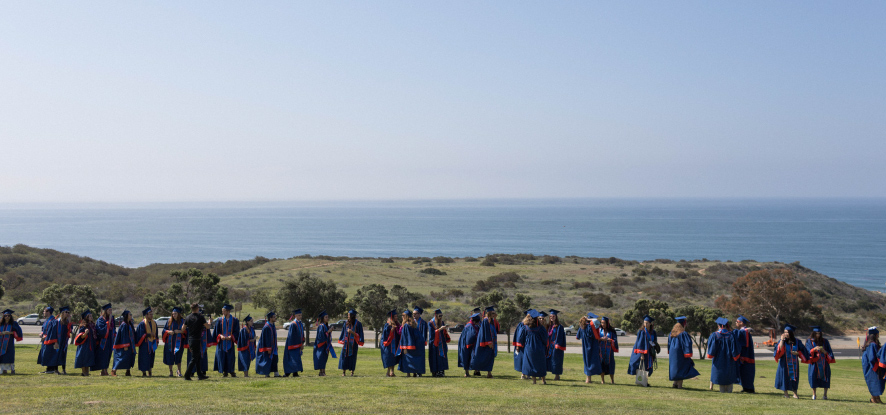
195, 323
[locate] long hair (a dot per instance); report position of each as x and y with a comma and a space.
555, 317
527, 320
678, 328
817, 337
174, 316
85, 321
352, 318
7, 319
872, 338
583, 321
438, 321
407, 319
791, 338
604, 324
106, 313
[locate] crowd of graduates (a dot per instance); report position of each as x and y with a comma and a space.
539, 346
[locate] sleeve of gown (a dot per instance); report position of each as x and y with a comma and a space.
358, 336
779, 351
615, 342
141, 333
686, 345
712, 344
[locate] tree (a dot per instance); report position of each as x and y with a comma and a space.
373, 303
307, 292
2, 291
633, 318
510, 312
403, 299
489, 299
79, 297
702, 322
771, 295
191, 286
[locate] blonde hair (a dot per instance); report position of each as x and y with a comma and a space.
678, 328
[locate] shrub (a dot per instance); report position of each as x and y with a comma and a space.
550, 282
584, 284
505, 277
550, 259
387, 261
598, 300
443, 260
432, 271
488, 263
471, 259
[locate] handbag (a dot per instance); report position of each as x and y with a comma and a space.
642, 378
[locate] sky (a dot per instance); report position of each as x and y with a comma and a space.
105, 102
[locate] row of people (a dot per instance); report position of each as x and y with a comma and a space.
539, 342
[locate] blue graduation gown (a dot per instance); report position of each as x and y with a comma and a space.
747, 368
173, 344
105, 335
483, 358
608, 349
423, 328
438, 353
535, 351
322, 347
590, 349
723, 355
267, 349
390, 343
7, 345
147, 348
556, 348
873, 364
643, 347
64, 336
295, 342
350, 343
86, 344
787, 377
412, 350
820, 364
205, 344
225, 350
246, 349
48, 356
124, 347
518, 360
680, 364
466, 344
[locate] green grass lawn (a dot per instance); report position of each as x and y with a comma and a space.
371, 392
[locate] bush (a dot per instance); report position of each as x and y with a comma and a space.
505, 277
471, 259
432, 271
585, 284
598, 300
443, 260
550, 282
484, 285
487, 263
387, 261
550, 259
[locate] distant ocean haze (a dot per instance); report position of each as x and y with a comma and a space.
842, 238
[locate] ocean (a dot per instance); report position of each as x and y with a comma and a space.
842, 238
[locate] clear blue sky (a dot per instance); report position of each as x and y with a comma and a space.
275, 101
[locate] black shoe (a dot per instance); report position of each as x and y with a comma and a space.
203, 378
187, 378
226, 374
295, 375
233, 375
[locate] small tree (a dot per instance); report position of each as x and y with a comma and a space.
2, 290
633, 318
307, 292
373, 303
191, 286
702, 322
78, 297
771, 295
510, 312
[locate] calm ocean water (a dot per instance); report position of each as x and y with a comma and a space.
845, 239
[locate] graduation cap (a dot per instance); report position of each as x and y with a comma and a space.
438, 311
8, 311
106, 306
176, 310
49, 308
63, 309
591, 315
248, 318
407, 312
604, 318
722, 321
296, 312
873, 330
146, 311
789, 327
352, 311
816, 329
392, 313
553, 312
271, 314
647, 318
227, 307
418, 310
475, 316
743, 320
681, 320
476, 310
84, 314
490, 309
321, 314
533, 314
542, 314
527, 312
125, 312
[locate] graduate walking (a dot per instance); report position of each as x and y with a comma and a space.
246, 346
105, 334
608, 349
390, 343
723, 355
590, 346
556, 345
322, 344
224, 335
518, 359
483, 358
412, 348
789, 353
174, 341
10, 332
351, 338
822, 357
124, 346
49, 346
645, 349
438, 353
744, 342
147, 342
266, 360
534, 338
873, 364
85, 341
65, 327
467, 342
295, 342
680, 364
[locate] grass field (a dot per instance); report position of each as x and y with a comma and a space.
371, 392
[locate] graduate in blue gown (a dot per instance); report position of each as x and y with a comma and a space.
789, 353
467, 342
535, 349
224, 335
390, 343
873, 364
680, 364
483, 358
174, 341
246, 348
438, 351
590, 346
64, 327
86, 344
820, 366
124, 345
266, 359
644, 351
608, 349
412, 347
518, 359
420, 323
147, 342
105, 334
351, 339
323, 343
557, 345
744, 342
10, 332
49, 349
295, 345
723, 355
